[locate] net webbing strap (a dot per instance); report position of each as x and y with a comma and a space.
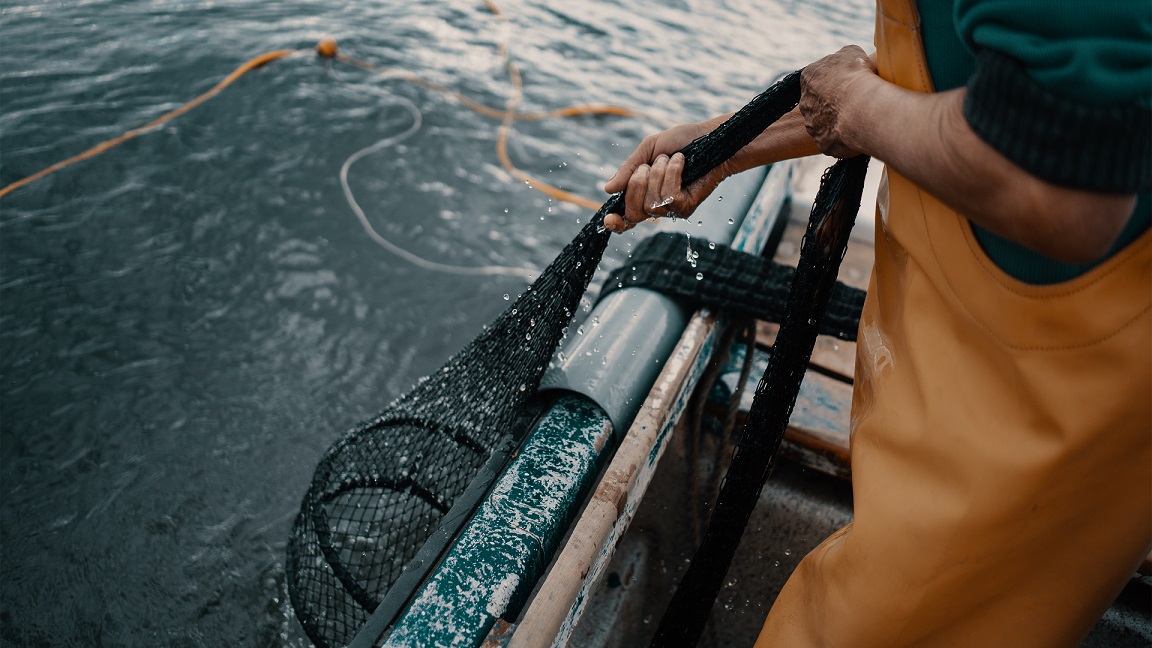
730, 280
825, 242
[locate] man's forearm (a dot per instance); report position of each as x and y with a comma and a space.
784, 140
926, 138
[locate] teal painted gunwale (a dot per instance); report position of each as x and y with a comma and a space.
504, 549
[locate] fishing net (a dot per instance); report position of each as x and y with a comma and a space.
821, 252
385, 491
735, 282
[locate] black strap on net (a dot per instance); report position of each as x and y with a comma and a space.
382, 504
825, 242
729, 280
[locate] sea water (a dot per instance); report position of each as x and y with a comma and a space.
189, 320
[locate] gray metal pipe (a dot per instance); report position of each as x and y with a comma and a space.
615, 356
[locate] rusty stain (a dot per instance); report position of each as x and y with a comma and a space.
614, 489
500, 634
602, 439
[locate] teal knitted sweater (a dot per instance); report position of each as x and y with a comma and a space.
1060, 87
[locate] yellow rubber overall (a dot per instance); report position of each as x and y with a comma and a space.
1001, 437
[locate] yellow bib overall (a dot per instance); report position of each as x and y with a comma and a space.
1001, 437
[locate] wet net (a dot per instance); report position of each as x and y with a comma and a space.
385, 498
735, 282
821, 252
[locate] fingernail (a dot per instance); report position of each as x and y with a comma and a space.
676, 155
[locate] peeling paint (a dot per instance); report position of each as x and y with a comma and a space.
503, 594
510, 540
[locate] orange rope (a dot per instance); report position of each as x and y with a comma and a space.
509, 115
248, 66
328, 48
487, 111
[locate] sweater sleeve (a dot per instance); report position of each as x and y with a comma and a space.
1063, 88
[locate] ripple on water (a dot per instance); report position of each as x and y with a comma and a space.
189, 320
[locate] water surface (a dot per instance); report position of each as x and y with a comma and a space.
188, 321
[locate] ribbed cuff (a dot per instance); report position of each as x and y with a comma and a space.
1099, 148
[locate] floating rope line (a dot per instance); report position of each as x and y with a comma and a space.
392, 247
507, 116
248, 66
327, 48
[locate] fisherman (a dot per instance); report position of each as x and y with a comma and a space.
1002, 408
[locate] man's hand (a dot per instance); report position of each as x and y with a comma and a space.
827, 88
652, 174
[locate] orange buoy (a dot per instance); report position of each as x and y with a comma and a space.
327, 48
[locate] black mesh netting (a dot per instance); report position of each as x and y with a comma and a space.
825, 241
730, 280
381, 491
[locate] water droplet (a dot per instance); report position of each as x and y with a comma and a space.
787, 552
711, 246
719, 198
523, 387
730, 221
580, 330
699, 276
506, 297
505, 210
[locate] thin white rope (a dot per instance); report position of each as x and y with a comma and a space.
391, 140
